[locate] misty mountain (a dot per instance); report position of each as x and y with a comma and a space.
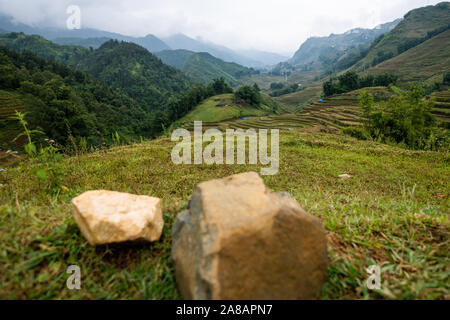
82, 37
320, 52
418, 26
268, 58
181, 41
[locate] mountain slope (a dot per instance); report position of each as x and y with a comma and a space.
428, 60
414, 29
321, 52
119, 64
63, 102
203, 67
136, 71
174, 58
181, 41
223, 107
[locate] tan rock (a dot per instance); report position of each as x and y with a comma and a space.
110, 217
239, 240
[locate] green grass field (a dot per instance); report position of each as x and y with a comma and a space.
393, 212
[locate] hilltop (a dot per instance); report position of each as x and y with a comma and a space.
219, 109
119, 64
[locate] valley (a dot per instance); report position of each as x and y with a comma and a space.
364, 140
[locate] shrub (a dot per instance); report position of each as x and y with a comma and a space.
249, 95
404, 119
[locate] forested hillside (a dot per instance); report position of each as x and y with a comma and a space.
135, 70
62, 102
119, 64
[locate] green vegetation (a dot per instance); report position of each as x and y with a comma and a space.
64, 103
249, 95
286, 90
122, 65
136, 71
352, 81
299, 99
177, 108
427, 62
446, 81
393, 213
404, 119
204, 68
417, 26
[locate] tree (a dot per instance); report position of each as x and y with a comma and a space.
405, 119
249, 95
447, 79
349, 81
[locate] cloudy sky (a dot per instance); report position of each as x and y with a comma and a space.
278, 26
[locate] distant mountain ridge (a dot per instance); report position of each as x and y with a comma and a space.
319, 52
181, 41
95, 38
203, 67
79, 37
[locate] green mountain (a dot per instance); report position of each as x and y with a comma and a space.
174, 58
122, 65
203, 67
418, 26
427, 62
63, 102
134, 70
87, 43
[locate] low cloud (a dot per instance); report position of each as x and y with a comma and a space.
279, 26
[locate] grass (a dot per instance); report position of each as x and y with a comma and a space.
393, 212
208, 111
296, 99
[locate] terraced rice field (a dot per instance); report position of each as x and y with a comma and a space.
442, 108
9, 103
329, 115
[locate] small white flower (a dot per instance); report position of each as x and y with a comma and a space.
2, 170
9, 151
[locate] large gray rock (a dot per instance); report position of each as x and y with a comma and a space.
111, 217
239, 240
